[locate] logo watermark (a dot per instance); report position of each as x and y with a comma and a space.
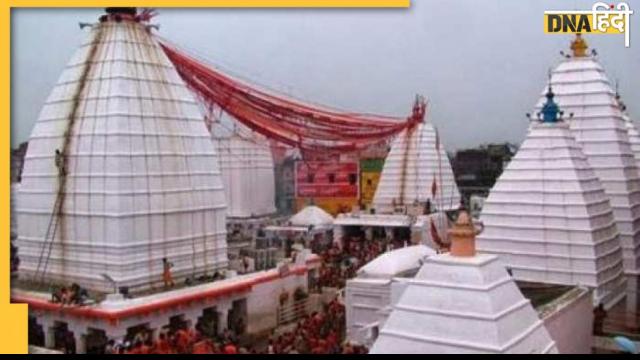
603, 18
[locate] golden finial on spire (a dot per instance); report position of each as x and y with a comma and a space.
579, 46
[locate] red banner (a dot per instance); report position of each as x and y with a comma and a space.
326, 180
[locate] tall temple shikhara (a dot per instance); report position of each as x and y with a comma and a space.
121, 171
548, 216
583, 89
417, 171
567, 209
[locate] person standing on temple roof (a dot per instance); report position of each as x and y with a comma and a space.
245, 263
166, 273
60, 163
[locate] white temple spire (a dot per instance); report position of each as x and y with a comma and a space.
416, 166
548, 216
582, 88
137, 176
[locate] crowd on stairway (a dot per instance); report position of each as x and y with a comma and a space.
318, 333
339, 265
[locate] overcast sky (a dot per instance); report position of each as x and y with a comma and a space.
481, 64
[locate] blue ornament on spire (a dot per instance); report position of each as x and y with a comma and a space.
550, 110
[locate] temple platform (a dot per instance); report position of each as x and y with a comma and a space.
251, 299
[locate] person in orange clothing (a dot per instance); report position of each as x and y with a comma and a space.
167, 277
146, 348
202, 347
321, 348
230, 349
183, 341
135, 349
162, 346
347, 349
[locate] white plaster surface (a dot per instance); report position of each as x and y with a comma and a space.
583, 89
143, 180
463, 305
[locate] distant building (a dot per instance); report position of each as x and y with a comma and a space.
477, 169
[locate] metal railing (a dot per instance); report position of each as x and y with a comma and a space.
293, 311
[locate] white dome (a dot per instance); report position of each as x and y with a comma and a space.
583, 89
142, 182
410, 169
311, 216
396, 262
549, 219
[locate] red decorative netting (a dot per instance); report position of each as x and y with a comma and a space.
288, 121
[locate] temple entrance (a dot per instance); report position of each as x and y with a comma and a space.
379, 233
63, 338
96, 341
176, 323
208, 323
238, 317
401, 237
36, 332
353, 232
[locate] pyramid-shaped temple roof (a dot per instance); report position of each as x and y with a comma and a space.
463, 303
121, 171
417, 159
549, 219
583, 89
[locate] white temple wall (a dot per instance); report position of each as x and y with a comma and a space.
364, 299
262, 307
264, 301
633, 300
571, 325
